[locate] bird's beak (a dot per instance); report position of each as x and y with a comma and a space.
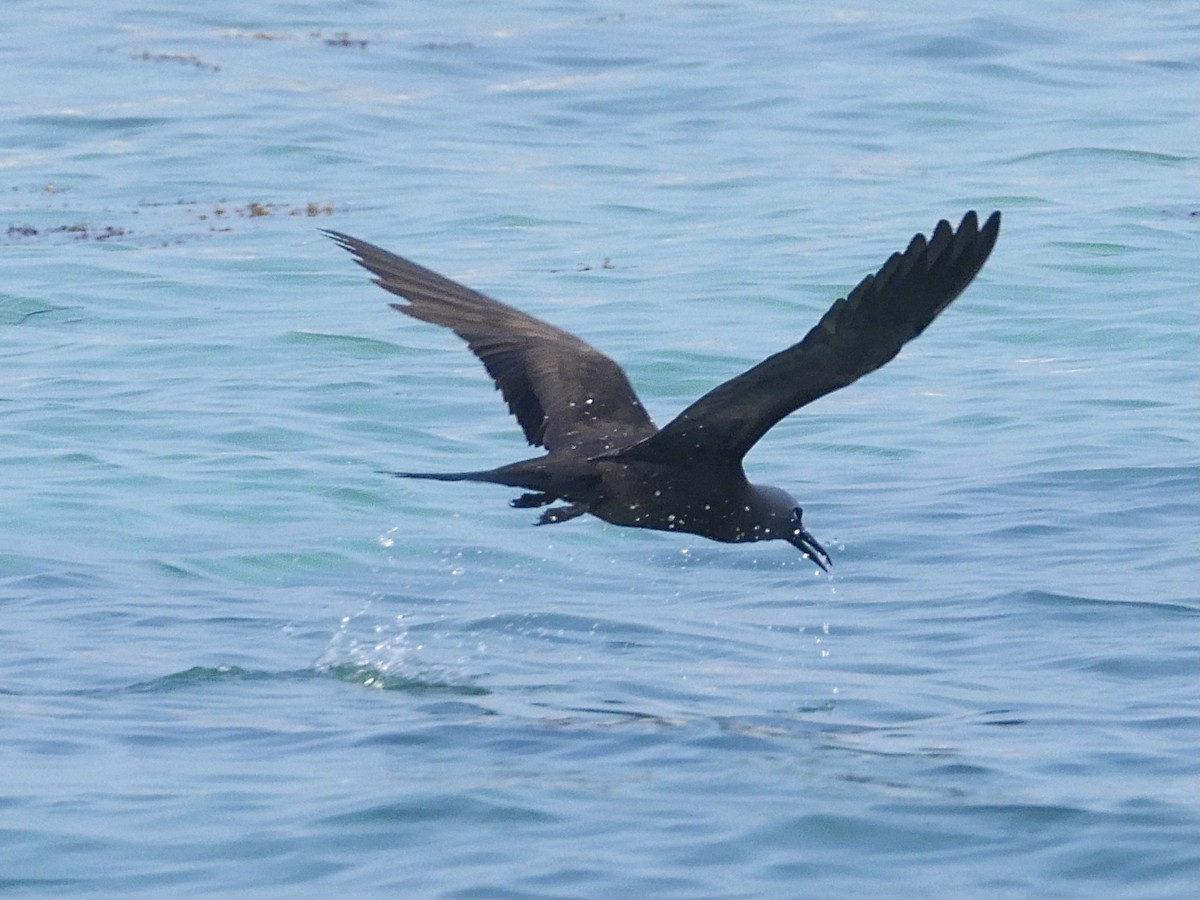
807, 544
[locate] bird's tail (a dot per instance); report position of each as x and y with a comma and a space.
560, 479
444, 476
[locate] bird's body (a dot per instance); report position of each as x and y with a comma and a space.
604, 454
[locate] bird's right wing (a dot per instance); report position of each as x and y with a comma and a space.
857, 335
562, 390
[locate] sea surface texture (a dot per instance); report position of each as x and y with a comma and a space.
237, 659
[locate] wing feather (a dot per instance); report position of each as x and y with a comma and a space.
564, 392
859, 333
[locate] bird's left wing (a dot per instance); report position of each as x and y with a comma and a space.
563, 391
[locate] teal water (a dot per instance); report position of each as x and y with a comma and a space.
235, 660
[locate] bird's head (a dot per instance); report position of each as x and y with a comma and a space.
787, 523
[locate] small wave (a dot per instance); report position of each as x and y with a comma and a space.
1066, 601
1099, 153
349, 345
383, 680
199, 675
380, 677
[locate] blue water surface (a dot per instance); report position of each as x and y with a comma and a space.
236, 660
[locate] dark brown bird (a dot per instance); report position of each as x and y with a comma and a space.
604, 455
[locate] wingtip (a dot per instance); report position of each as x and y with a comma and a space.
990, 226
345, 241
987, 235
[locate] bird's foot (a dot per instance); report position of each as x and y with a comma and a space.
562, 513
531, 500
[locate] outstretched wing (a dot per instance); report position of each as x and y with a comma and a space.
859, 334
564, 392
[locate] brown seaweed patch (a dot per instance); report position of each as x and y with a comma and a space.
218, 216
332, 39
190, 59
256, 209
587, 267
238, 34
343, 39
314, 209
81, 231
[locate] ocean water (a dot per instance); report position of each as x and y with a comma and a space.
237, 660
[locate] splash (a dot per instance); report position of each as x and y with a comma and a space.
386, 656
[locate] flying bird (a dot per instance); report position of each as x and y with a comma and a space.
605, 456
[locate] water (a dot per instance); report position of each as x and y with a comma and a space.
237, 660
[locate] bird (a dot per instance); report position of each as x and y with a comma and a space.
604, 455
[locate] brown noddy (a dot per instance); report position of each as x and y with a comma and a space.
605, 456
